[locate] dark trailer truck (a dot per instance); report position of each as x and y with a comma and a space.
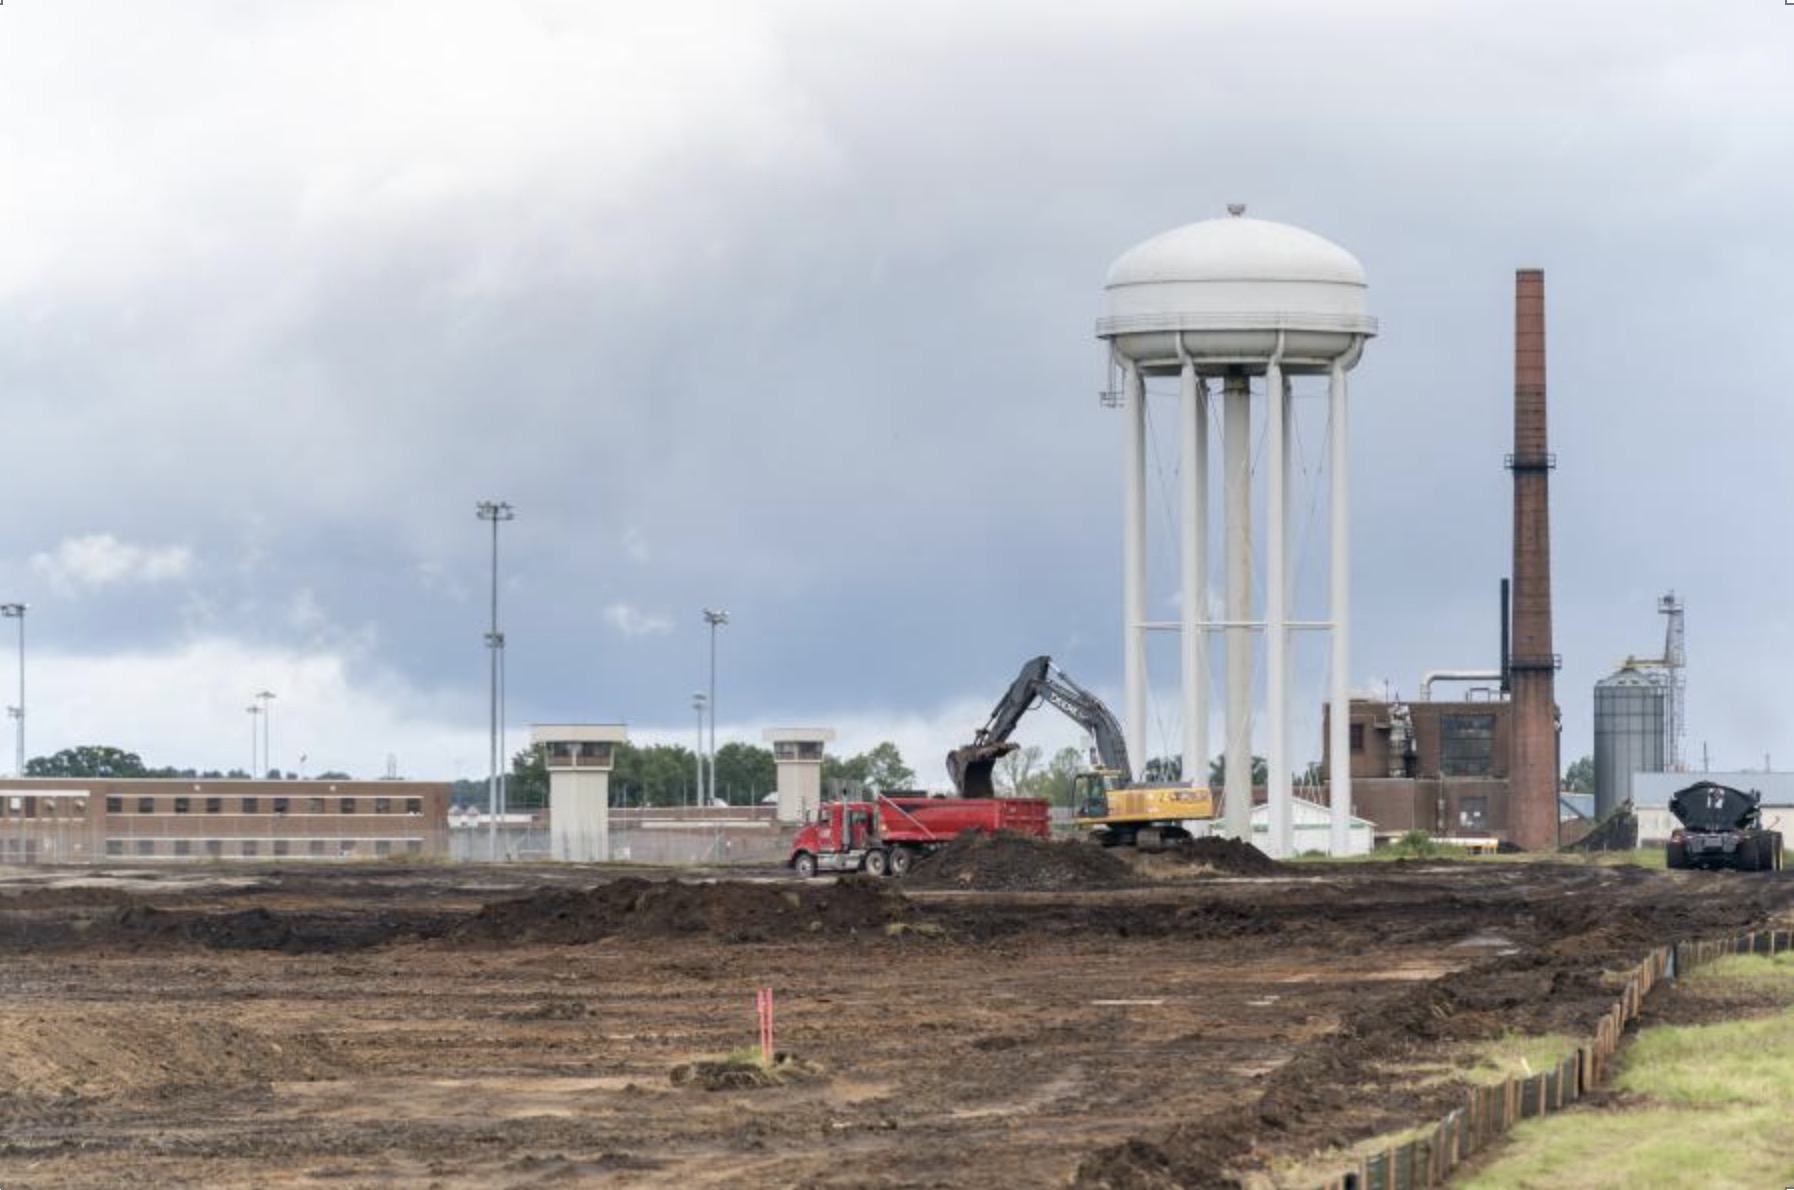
1721, 827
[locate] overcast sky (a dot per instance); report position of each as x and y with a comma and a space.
788, 308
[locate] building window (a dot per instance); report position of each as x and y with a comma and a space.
282, 847
183, 847
1357, 734
797, 750
317, 847
115, 805
414, 846
1467, 745
345, 847
146, 805
181, 805
215, 847
346, 805
1473, 814
280, 805
594, 754
314, 805
251, 805
383, 805
214, 805
383, 847
250, 847
146, 847
414, 805
115, 846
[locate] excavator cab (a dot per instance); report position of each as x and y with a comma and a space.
1091, 792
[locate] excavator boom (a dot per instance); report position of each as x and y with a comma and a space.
1039, 681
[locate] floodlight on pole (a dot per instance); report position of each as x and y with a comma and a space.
716, 618
255, 712
16, 611
494, 511
264, 697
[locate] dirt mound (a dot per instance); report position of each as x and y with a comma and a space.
95, 1051
730, 910
1235, 857
736, 1073
1008, 862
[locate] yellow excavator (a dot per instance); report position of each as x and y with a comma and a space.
1119, 811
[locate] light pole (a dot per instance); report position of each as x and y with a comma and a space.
698, 702
494, 511
716, 618
16, 611
255, 712
264, 697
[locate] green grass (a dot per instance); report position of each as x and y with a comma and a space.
1705, 1106
1515, 1056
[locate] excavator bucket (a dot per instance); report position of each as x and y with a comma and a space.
970, 767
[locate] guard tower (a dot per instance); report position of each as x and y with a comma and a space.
1235, 301
579, 758
797, 753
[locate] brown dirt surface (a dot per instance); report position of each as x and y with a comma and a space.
732, 912
1231, 857
1009, 862
471, 1028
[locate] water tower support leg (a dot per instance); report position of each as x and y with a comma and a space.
1277, 791
1237, 448
1133, 566
1339, 755
1195, 575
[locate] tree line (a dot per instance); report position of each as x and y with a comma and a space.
667, 775
104, 760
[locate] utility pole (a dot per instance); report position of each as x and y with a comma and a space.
698, 702
16, 611
716, 619
255, 712
494, 511
264, 697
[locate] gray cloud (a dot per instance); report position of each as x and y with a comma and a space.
788, 308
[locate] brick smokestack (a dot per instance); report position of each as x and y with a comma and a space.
1533, 771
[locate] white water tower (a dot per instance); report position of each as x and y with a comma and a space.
1235, 301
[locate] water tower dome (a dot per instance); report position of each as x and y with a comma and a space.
1228, 287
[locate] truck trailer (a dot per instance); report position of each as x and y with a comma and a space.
886, 835
1721, 827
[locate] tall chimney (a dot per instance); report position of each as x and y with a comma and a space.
1532, 773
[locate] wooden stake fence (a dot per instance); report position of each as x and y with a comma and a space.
1491, 1111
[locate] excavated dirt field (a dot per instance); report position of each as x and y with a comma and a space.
1003, 1016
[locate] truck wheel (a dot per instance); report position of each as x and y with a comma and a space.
804, 864
902, 860
1676, 856
877, 862
1747, 856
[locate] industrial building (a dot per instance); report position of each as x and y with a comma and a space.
66, 820
1440, 767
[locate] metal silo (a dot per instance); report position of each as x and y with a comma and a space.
1631, 728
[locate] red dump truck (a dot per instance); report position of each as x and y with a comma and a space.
888, 834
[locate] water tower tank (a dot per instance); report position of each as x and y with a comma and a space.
1631, 726
1226, 288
